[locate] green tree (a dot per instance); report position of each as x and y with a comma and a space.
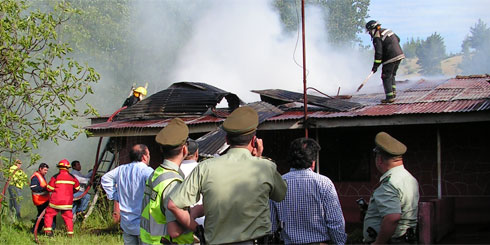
410, 47
430, 54
40, 84
344, 19
476, 50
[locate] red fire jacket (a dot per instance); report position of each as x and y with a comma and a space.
38, 188
63, 185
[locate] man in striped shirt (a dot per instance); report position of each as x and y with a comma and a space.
311, 211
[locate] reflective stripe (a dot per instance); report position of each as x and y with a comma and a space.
77, 188
50, 187
65, 182
39, 193
62, 207
386, 33
378, 61
69, 232
389, 94
162, 177
154, 228
48, 228
396, 58
41, 179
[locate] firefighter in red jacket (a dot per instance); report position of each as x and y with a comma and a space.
40, 194
62, 186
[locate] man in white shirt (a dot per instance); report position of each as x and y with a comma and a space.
189, 163
80, 205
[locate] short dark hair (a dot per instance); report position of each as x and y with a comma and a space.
385, 156
137, 152
171, 151
239, 139
74, 162
302, 152
43, 165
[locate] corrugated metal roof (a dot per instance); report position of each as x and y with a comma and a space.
180, 99
279, 96
155, 123
214, 142
456, 95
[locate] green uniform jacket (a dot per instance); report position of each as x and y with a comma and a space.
398, 192
154, 220
236, 188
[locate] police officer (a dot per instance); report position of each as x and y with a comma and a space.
236, 187
155, 222
392, 213
387, 51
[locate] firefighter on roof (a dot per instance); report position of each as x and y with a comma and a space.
387, 51
139, 94
62, 186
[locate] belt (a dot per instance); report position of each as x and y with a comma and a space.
256, 241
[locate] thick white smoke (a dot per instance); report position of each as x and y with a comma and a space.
238, 46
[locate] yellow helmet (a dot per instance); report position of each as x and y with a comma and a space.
140, 90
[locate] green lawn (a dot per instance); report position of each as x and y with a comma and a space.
98, 229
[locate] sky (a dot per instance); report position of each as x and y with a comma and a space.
452, 19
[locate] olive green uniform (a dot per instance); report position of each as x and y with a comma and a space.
398, 192
236, 189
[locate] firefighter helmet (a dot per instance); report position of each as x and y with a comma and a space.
372, 24
63, 164
140, 90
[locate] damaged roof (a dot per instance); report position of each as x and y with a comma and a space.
279, 97
180, 99
214, 142
424, 101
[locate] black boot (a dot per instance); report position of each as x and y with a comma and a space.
389, 99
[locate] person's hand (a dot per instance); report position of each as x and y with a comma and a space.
374, 69
196, 211
258, 147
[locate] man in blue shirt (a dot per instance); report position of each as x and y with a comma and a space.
311, 211
126, 184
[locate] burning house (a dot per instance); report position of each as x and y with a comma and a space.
444, 123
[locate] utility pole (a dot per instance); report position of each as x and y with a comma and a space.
305, 99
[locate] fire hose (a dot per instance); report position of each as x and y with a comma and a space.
6, 186
92, 178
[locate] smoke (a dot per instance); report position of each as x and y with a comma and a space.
239, 46
234, 45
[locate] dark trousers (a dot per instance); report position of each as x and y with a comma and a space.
14, 193
40, 209
388, 76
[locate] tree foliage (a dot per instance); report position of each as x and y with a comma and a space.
344, 19
476, 50
40, 83
410, 47
430, 54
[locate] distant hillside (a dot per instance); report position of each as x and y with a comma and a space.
409, 68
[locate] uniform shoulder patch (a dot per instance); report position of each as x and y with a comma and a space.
386, 179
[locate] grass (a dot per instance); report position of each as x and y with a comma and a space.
97, 229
